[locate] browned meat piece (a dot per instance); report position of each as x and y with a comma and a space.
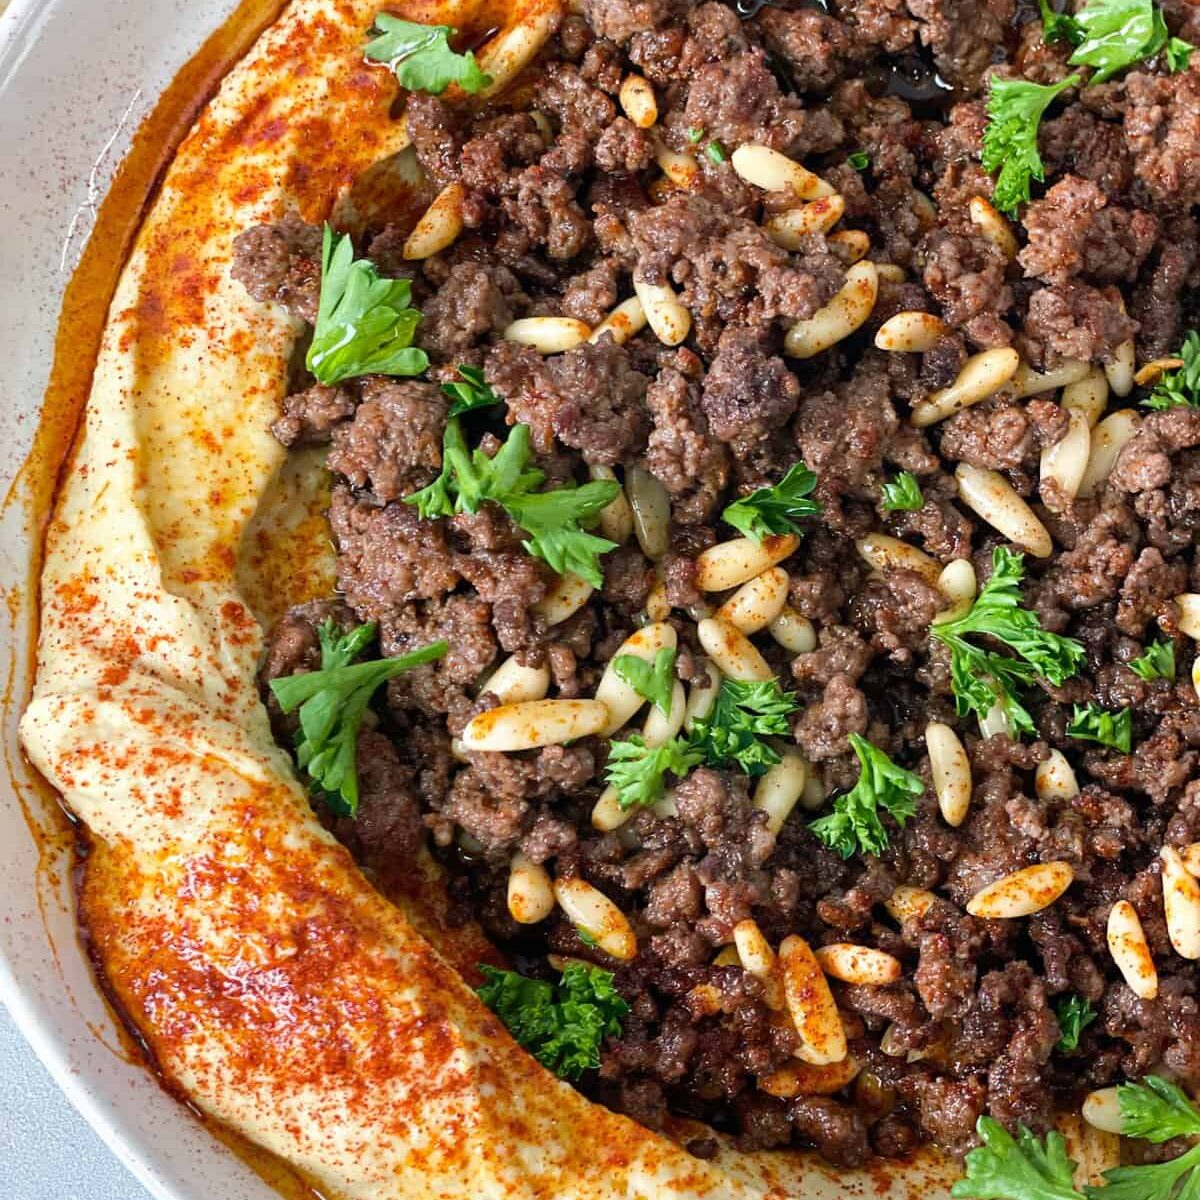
281, 263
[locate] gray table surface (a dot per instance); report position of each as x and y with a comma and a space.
47, 1150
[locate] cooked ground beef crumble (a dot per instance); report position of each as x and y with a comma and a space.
560, 212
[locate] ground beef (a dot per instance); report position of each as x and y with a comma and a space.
281, 262
471, 303
747, 393
310, 416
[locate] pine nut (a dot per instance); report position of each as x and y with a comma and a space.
625, 321
1190, 855
886, 553
705, 1000
905, 903
1108, 440
951, 771
780, 789
526, 726
547, 335
958, 584
758, 959
560, 962
514, 683
506, 55
439, 226
616, 517
620, 700
804, 1079
993, 227
793, 632
701, 699
1196, 676
638, 102
729, 564
1181, 902
838, 319
982, 375
660, 727
607, 814
1066, 461
731, 651
530, 892
774, 172
1055, 779
858, 964
1188, 604
729, 957
565, 597
1153, 371
1119, 372
1028, 382
680, 169
1130, 951
910, 333
651, 508
849, 245
811, 1005
1022, 893
1089, 395
658, 607
669, 321
789, 228
757, 603
995, 722
890, 272
814, 795
589, 909
988, 494
1102, 1110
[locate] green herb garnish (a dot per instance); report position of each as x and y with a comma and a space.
694, 135
332, 702
469, 391
773, 510
716, 152
1020, 1168
1110, 35
1059, 27
1157, 661
586, 936
860, 160
637, 771
903, 494
741, 716
421, 58
855, 826
561, 1025
1179, 388
1075, 1014
652, 681
1091, 723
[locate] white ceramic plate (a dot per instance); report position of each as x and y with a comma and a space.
76, 78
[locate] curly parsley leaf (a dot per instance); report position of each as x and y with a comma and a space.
773, 510
982, 678
365, 325
855, 826
469, 391
332, 703
1157, 661
903, 494
1059, 27
562, 1025
1015, 109
421, 57
1075, 1014
1020, 1168
638, 771
1179, 388
1115, 34
1091, 723
652, 681
741, 716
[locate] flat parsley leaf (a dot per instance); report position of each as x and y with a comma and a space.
364, 323
1020, 1168
1091, 723
1115, 34
1075, 1014
563, 1024
421, 58
1180, 388
469, 391
1059, 27
1178, 54
652, 681
741, 716
854, 826
1157, 661
637, 771
772, 510
332, 702
982, 678
860, 160
903, 494
1015, 109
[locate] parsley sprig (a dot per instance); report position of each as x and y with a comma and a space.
469, 391
774, 510
741, 716
1075, 1014
982, 678
554, 520
1020, 1168
421, 57
903, 494
1157, 661
638, 772
562, 1025
332, 703
1091, 723
854, 825
1179, 388
1110, 35
652, 681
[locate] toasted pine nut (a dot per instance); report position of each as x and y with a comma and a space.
1130, 951
951, 770
620, 700
660, 727
993, 226
680, 169
590, 909
728, 564
910, 332
1181, 902
638, 102
995, 721
1119, 372
992, 497
758, 959
814, 795
982, 375
616, 517
780, 789
838, 319
958, 584
858, 964
705, 999
534, 723
1089, 395
1101, 1109
530, 893
506, 55
1108, 440
667, 318
1153, 371
1028, 382
810, 1002
658, 607
729, 957
793, 632
1066, 461
566, 596
907, 902
701, 699
548, 335
607, 814
440, 224
774, 172
1055, 779
804, 1079
626, 320
1188, 604
849, 245
732, 651
886, 553
1022, 893
1190, 854
651, 511
790, 227
513, 683
756, 603
890, 272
